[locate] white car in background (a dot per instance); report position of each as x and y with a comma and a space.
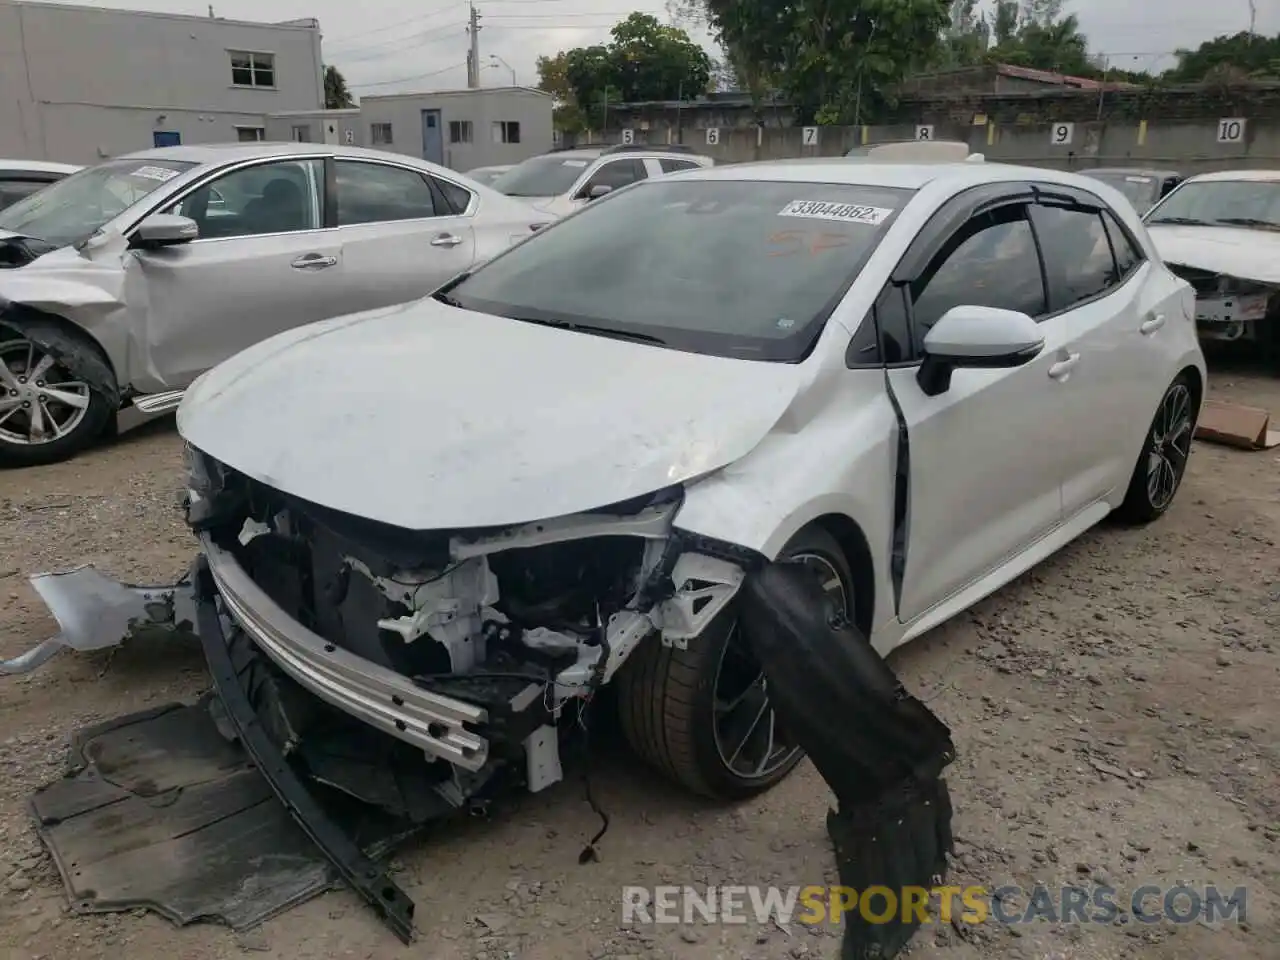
21, 178
918, 380
1221, 233
487, 175
124, 282
563, 181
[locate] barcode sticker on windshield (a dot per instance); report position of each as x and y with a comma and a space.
155, 173
1138, 179
575, 163
840, 212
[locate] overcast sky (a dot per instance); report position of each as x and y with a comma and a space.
391, 46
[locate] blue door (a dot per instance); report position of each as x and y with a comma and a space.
166, 138
432, 137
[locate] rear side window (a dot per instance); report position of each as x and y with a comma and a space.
672, 166
458, 198
990, 262
1077, 254
377, 193
1128, 255
11, 191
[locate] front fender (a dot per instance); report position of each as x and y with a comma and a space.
841, 462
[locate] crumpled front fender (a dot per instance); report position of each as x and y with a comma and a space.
95, 612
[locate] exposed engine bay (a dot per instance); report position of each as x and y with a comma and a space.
1232, 309
476, 648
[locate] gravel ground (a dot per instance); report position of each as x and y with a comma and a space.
1110, 709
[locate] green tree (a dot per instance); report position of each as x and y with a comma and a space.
1242, 55
966, 37
553, 77
1035, 34
337, 96
841, 57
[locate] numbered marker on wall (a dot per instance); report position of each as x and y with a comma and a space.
349, 136
810, 137
1231, 130
713, 136
1062, 134
924, 131
628, 137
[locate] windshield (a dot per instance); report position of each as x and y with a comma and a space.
548, 176
1253, 204
739, 269
1140, 190
75, 208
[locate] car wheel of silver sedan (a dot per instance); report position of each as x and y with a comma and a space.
702, 715
47, 413
1165, 452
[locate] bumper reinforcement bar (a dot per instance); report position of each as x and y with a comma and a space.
369, 880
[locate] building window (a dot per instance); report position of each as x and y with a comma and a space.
380, 134
302, 133
459, 131
250, 134
506, 131
252, 69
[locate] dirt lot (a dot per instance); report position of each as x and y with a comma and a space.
1110, 710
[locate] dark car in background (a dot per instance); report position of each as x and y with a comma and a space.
1143, 187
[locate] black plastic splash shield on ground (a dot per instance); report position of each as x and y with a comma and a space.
364, 876
159, 810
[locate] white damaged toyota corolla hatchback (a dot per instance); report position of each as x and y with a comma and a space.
453, 519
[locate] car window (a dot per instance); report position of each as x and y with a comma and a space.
76, 207
1128, 255
459, 198
1139, 189
552, 175
11, 191
377, 193
748, 269
280, 197
1251, 204
991, 262
671, 166
1077, 254
615, 174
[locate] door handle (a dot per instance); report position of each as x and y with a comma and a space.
1062, 368
314, 261
446, 240
1153, 323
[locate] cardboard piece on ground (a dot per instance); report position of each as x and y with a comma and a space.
1234, 425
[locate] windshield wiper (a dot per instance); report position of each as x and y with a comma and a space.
1248, 222
593, 330
1182, 221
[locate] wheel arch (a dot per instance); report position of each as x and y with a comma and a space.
35, 323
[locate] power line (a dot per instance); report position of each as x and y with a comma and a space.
400, 23
419, 76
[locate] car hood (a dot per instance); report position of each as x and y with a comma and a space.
1235, 251
426, 416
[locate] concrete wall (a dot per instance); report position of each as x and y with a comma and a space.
1177, 129
78, 84
532, 109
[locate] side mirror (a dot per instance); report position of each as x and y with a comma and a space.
164, 230
599, 190
978, 338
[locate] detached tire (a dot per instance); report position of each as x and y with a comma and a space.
1163, 462
678, 708
40, 397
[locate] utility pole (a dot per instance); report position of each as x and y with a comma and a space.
473, 53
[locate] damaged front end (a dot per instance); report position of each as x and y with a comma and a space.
467, 647
1232, 308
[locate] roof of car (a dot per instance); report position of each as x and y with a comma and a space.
233, 152
1262, 175
38, 166
910, 176
1132, 171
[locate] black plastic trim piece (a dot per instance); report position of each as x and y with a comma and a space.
364, 876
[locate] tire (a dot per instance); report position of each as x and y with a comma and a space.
1166, 449
667, 697
82, 425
